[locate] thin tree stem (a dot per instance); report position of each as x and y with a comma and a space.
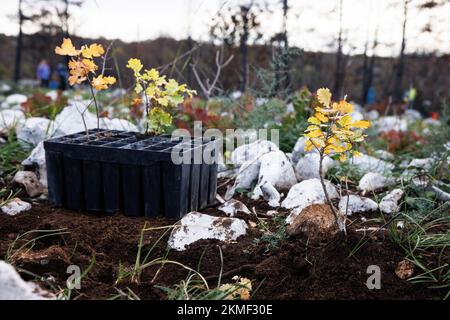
96, 105
325, 191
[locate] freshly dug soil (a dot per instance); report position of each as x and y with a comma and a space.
290, 269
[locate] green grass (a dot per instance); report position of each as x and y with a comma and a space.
11, 155
25, 242
426, 243
271, 239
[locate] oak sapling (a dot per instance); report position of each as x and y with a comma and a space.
159, 94
333, 131
83, 69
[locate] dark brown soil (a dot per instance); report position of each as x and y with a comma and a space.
294, 270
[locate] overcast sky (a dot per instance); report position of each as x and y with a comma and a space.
312, 24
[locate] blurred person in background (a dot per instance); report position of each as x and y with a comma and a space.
43, 73
62, 75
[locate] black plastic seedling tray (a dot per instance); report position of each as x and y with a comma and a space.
110, 171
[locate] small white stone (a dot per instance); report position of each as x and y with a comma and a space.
306, 193
412, 115
13, 287
277, 170
35, 130
10, 119
425, 163
52, 95
372, 115
270, 194
308, 166
30, 182
431, 122
356, 204
384, 155
365, 163
15, 99
391, 123
15, 206
36, 160
372, 181
389, 204
247, 175
197, 226
233, 206
252, 151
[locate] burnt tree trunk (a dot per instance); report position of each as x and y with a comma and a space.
286, 75
243, 48
18, 58
338, 77
397, 89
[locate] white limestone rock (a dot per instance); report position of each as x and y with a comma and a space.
276, 169
4, 87
35, 130
270, 194
365, 163
356, 204
30, 182
252, 151
372, 115
390, 203
391, 123
357, 114
247, 175
13, 287
425, 163
10, 119
117, 124
232, 207
416, 165
306, 193
15, 206
36, 161
431, 122
308, 166
15, 99
372, 181
197, 226
384, 155
412, 115
52, 95
70, 120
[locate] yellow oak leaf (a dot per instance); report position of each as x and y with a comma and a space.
89, 65
314, 120
318, 142
312, 127
102, 83
323, 118
314, 134
361, 124
345, 120
343, 107
67, 49
93, 51
74, 79
135, 65
342, 157
324, 96
308, 145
